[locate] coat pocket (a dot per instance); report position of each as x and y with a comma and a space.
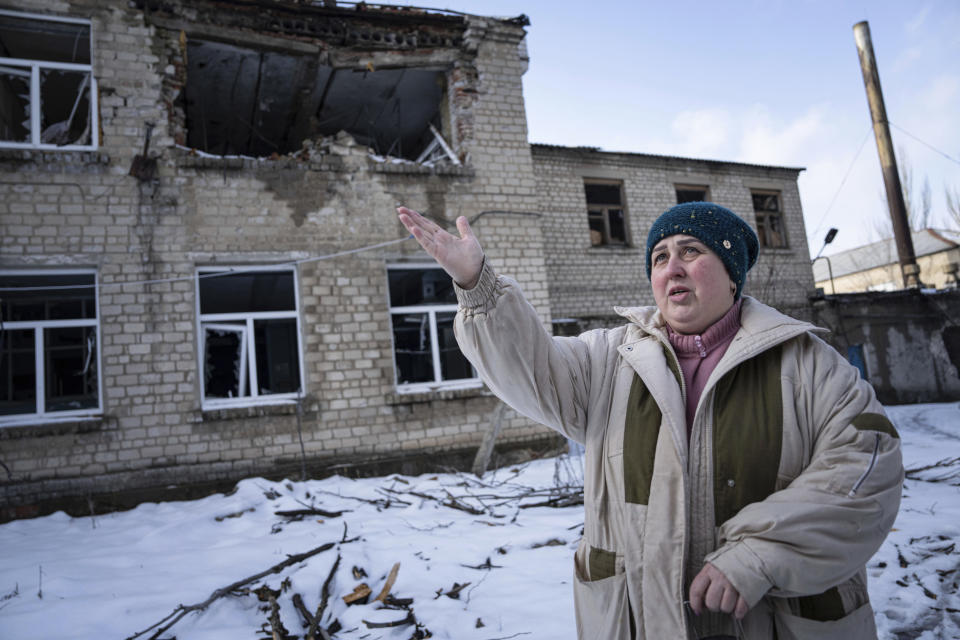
601, 606
857, 625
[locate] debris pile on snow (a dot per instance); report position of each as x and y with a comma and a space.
401, 558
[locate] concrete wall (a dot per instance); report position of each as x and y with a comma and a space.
586, 281
910, 341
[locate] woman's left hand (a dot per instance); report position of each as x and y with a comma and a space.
712, 590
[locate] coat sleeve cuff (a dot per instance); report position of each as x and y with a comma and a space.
481, 296
744, 569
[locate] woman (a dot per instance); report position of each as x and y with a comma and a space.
739, 473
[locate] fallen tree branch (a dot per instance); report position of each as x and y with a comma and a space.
452, 502
302, 610
388, 584
395, 623
182, 610
300, 513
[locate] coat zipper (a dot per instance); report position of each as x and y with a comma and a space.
873, 463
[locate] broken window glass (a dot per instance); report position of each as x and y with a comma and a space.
48, 345
47, 90
766, 207
250, 336
423, 305
244, 101
606, 219
691, 193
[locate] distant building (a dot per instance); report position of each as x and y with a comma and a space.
201, 272
876, 266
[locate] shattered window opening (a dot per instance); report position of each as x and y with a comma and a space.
422, 308
769, 215
49, 360
606, 215
249, 336
47, 87
692, 193
251, 102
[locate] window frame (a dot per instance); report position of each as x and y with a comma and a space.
762, 216
686, 186
606, 240
431, 310
39, 327
218, 321
35, 67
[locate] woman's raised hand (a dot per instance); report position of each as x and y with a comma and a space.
461, 258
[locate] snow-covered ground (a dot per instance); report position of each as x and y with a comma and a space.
475, 561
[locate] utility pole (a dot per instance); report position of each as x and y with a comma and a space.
888, 162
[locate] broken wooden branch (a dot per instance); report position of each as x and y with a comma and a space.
486, 565
409, 619
300, 513
315, 627
182, 610
453, 503
454, 592
359, 595
482, 460
389, 583
302, 610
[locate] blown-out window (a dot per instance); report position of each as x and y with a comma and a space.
47, 89
769, 212
249, 336
49, 360
692, 193
425, 352
606, 215
258, 102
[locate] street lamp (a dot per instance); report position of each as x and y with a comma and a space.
831, 234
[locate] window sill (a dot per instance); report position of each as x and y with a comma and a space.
48, 156
417, 397
218, 414
621, 248
50, 427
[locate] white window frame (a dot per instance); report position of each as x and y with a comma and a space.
248, 373
33, 67
431, 310
39, 327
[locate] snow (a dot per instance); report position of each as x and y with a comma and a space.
112, 576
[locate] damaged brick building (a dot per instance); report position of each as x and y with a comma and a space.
201, 273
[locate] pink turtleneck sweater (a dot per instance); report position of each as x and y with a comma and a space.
700, 354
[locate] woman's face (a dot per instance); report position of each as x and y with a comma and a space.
690, 284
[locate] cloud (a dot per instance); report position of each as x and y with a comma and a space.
765, 141
701, 132
913, 25
942, 92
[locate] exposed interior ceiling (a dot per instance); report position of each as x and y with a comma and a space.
244, 101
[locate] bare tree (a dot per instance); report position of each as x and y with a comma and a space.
952, 196
918, 204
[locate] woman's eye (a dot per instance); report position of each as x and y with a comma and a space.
690, 251
660, 257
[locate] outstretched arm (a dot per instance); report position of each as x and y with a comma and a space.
461, 258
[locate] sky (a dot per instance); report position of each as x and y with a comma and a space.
122, 572
767, 82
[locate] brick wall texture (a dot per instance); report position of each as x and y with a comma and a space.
71, 209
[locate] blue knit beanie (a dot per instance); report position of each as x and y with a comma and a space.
724, 233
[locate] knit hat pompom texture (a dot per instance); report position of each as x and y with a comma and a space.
724, 233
